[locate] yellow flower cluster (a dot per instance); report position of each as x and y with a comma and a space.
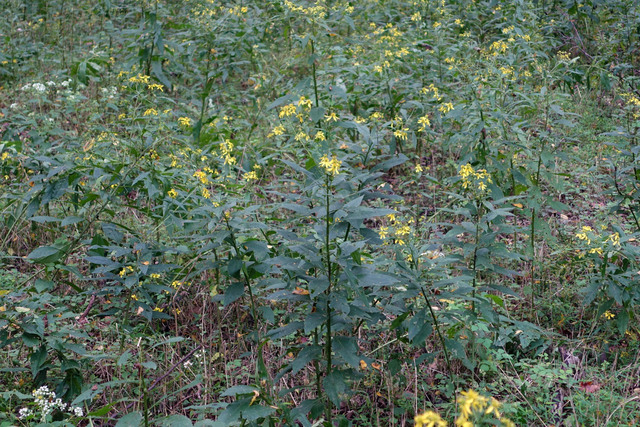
226, 147
125, 270
202, 177
314, 11
277, 131
471, 402
238, 10
433, 90
287, 110
587, 233
474, 178
331, 166
583, 234
172, 193
498, 47
429, 419
399, 232
140, 78
563, 56
424, 123
446, 107
633, 102
250, 176
184, 121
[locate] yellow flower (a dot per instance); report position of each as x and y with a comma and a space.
418, 168
287, 110
608, 315
172, 193
446, 107
305, 102
331, 117
429, 419
251, 176
423, 122
277, 131
401, 134
404, 230
471, 401
383, 232
331, 166
320, 136
201, 176
4, 156
151, 112
184, 121
614, 239
156, 86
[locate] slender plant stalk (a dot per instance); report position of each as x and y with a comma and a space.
328, 292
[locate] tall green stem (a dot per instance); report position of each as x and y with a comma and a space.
328, 292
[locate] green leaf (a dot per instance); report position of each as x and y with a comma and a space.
283, 331
133, 419
175, 421
255, 412
347, 348
335, 386
156, 70
233, 292
419, 328
46, 255
317, 114
238, 389
623, 321
43, 285
305, 356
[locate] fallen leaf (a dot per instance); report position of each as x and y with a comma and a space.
589, 386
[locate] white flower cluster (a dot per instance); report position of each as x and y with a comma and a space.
41, 88
110, 92
47, 402
36, 87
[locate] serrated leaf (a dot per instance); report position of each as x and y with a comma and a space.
305, 356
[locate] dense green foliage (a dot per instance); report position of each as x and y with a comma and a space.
319, 213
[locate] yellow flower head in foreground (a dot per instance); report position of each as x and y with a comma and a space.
331, 166
429, 419
184, 121
471, 401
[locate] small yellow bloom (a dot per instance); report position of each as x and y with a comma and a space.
184, 121
151, 112
172, 193
331, 117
